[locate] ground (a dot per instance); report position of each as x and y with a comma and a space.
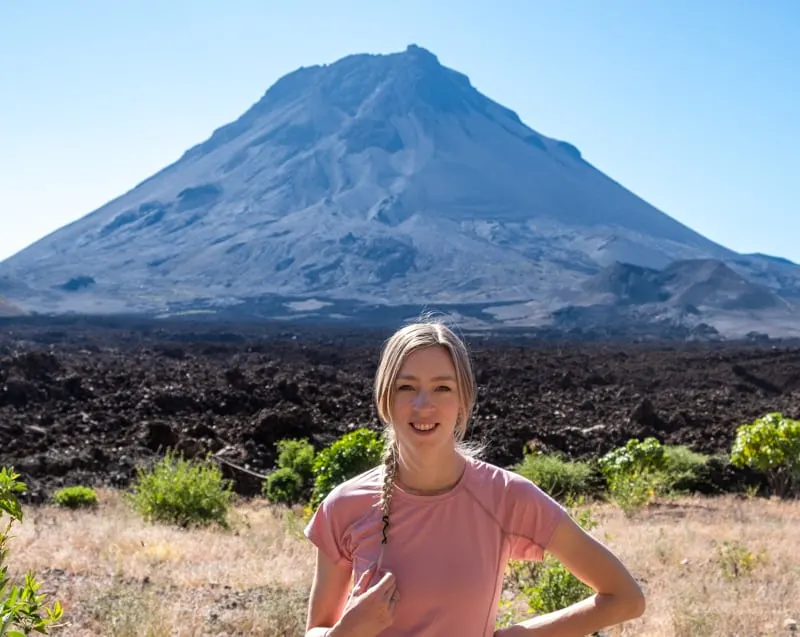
709, 567
82, 404
87, 404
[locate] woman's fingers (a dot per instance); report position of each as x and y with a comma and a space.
363, 582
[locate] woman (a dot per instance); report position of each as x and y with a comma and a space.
427, 535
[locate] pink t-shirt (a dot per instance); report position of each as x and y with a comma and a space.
448, 552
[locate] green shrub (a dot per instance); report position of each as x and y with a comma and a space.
297, 455
293, 480
75, 497
683, 467
555, 588
736, 560
182, 492
635, 473
560, 478
284, 486
635, 457
551, 586
350, 455
771, 445
21, 609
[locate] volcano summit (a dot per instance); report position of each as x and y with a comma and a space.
379, 182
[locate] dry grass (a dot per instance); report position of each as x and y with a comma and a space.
117, 576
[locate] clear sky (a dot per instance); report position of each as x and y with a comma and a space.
694, 105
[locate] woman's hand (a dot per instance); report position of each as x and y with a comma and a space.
369, 610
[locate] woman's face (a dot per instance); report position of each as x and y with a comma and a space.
426, 400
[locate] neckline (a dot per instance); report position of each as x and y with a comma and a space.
438, 497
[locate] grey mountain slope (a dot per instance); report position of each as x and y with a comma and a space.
8, 309
695, 284
385, 179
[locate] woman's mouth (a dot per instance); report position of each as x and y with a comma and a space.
424, 427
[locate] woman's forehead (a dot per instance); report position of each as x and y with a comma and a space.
429, 361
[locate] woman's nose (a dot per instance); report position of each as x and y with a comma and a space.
422, 399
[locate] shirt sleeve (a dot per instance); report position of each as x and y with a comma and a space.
325, 531
532, 516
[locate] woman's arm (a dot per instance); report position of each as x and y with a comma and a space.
618, 597
328, 597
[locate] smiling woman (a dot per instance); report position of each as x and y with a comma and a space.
427, 535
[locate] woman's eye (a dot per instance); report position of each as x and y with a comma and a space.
443, 388
404, 388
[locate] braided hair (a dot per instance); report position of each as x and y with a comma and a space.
389, 473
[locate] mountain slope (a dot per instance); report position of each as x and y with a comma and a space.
9, 309
702, 283
384, 179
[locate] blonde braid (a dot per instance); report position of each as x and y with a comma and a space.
390, 470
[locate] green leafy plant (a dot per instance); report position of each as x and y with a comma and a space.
635, 457
284, 486
293, 480
182, 492
555, 588
560, 478
683, 467
75, 497
297, 455
736, 560
350, 455
770, 445
635, 473
550, 586
21, 607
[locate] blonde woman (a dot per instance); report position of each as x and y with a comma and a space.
427, 535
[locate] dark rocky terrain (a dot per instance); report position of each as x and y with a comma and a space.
86, 401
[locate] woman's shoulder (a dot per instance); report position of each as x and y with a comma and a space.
347, 505
502, 484
523, 509
355, 490
492, 475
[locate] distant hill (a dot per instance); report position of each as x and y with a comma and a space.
380, 182
704, 283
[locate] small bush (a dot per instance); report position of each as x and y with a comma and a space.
771, 445
735, 560
551, 586
181, 492
297, 455
293, 480
683, 467
560, 478
635, 473
635, 457
555, 589
284, 486
21, 609
350, 455
75, 497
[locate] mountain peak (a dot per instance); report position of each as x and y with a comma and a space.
421, 54
371, 88
375, 180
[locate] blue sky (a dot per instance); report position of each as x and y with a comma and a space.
692, 105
